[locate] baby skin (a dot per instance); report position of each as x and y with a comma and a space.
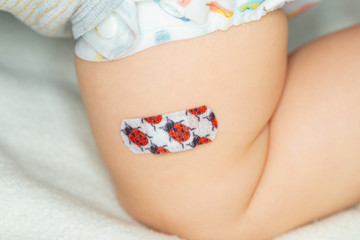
287, 148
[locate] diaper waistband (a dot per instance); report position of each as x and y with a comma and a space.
135, 25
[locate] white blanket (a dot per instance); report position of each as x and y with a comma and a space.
53, 184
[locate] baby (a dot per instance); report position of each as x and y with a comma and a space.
221, 134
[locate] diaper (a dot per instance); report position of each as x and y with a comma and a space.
135, 25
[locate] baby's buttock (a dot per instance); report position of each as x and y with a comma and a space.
240, 74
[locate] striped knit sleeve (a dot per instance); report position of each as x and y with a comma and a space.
59, 18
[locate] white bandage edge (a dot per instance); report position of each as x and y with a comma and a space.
159, 134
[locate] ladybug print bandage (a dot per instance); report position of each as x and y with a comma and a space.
171, 132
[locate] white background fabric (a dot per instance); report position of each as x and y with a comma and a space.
53, 184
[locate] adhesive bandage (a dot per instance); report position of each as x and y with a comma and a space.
171, 132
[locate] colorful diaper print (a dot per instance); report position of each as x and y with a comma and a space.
250, 5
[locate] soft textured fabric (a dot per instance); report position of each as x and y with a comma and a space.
135, 25
60, 18
170, 132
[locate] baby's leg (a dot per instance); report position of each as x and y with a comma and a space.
200, 193
313, 167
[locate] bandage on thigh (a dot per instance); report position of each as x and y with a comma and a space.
171, 132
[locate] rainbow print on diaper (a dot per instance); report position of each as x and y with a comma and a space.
250, 5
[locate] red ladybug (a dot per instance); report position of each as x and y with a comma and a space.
136, 136
212, 119
177, 131
152, 120
199, 140
158, 150
197, 111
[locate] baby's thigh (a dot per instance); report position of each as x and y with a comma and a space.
313, 165
239, 74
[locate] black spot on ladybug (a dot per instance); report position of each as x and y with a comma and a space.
141, 144
182, 130
133, 134
175, 129
182, 139
187, 132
